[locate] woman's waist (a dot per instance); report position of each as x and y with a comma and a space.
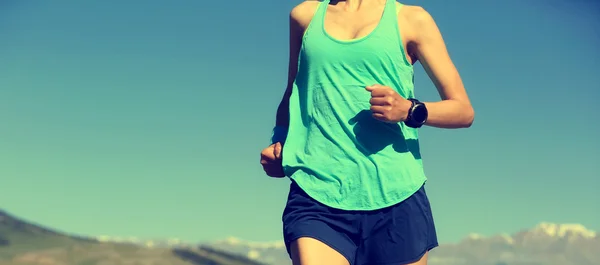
358, 145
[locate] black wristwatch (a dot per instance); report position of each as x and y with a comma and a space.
417, 114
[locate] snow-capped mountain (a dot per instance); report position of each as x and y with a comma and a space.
273, 252
150, 243
544, 244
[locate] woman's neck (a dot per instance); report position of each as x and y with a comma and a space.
353, 5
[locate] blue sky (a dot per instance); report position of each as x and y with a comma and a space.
141, 118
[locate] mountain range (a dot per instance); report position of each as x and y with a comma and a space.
26, 243
544, 244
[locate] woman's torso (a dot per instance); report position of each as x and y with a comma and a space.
335, 150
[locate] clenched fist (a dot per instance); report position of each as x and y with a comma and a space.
270, 159
387, 105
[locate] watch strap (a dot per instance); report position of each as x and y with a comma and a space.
410, 122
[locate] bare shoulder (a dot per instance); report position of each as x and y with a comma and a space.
415, 14
303, 13
416, 21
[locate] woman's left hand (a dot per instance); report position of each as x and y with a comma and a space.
387, 105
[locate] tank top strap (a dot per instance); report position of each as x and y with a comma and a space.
318, 19
388, 26
321, 12
389, 17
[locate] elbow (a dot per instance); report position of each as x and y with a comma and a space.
469, 117
465, 115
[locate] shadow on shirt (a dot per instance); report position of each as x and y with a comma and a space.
373, 135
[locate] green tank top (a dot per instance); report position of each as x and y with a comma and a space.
335, 150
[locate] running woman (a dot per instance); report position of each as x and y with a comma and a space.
346, 132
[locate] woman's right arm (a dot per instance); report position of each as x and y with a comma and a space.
298, 21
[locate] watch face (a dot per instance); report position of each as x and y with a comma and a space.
419, 114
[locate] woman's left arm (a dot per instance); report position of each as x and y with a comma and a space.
454, 110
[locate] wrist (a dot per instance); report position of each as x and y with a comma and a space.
417, 114
407, 107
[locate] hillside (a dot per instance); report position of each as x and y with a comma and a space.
25, 243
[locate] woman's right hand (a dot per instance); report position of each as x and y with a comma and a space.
270, 159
